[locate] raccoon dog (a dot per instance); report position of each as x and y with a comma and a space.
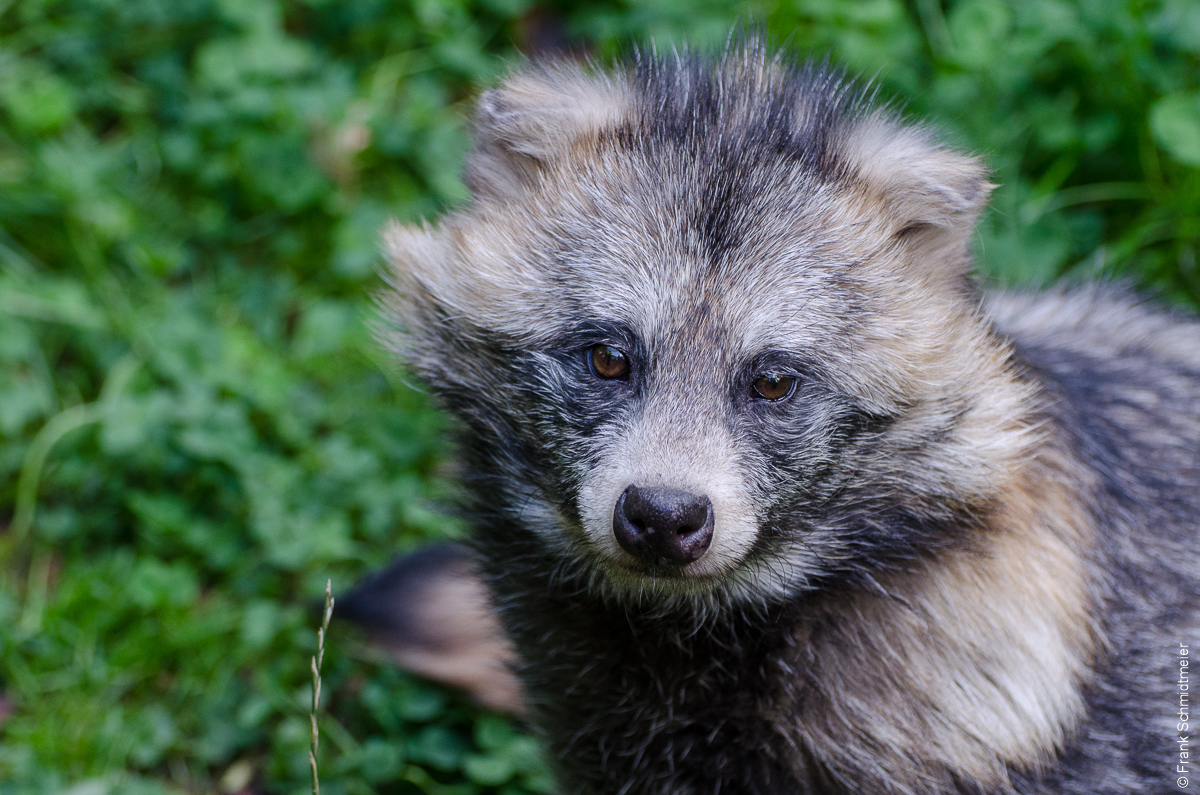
769, 496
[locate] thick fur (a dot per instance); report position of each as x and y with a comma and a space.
955, 560
430, 613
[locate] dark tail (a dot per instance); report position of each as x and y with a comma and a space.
430, 613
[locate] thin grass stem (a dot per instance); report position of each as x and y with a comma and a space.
317, 659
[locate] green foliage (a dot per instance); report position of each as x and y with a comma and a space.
191, 397
196, 425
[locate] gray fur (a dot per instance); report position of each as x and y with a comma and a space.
955, 560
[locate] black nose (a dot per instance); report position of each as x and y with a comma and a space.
659, 525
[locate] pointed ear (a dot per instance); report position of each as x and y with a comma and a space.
447, 282
931, 195
536, 117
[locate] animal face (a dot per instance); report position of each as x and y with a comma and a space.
712, 330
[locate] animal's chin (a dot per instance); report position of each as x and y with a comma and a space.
652, 572
760, 577
636, 576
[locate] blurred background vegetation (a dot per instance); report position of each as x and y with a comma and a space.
196, 428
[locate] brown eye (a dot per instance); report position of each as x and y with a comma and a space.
608, 363
773, 387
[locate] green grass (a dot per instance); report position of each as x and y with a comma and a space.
196, 426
